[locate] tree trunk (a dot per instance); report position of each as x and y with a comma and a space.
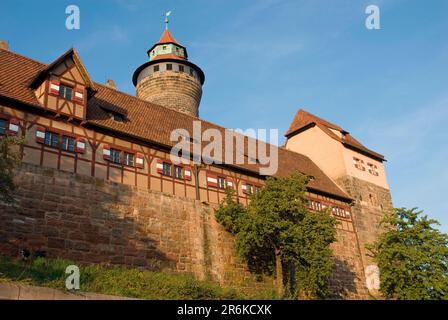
279, 272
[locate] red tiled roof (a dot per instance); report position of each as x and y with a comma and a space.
304, 119
145, 121
167, 37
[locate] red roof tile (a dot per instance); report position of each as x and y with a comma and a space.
145, 121
304, 119
167, 37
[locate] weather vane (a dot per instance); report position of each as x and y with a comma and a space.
166, 19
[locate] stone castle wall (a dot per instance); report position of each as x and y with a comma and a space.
371, 202
174, 90
91, 220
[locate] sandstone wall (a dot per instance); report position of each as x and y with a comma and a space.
91, 220
174, 90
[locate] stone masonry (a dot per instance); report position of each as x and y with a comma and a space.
90, 220
174, 90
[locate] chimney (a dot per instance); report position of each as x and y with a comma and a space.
111, 84
4, 45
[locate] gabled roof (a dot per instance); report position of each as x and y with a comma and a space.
145, 121
304, 120
77, 60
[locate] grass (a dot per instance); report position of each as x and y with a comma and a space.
121, 281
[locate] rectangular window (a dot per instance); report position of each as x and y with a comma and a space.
314, 205
169, 66
181, 68
68, 144
166, 171
373, 169
359, 164
115, 156
249, 189
3, 126
221, 183
128, 159
191, 72
156, 68
178, 172
340, 212
51, 139
65, 92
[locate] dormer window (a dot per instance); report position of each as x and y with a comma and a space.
65, 92
118, 117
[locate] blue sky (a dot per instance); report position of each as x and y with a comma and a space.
265, 59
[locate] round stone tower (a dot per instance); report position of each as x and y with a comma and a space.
168, 78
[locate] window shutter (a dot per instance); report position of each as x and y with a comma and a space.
139, 161
212, 180
187, 173
106, 152
80, 145
40, 134
159, 166
54, 87
78, 94
13, 128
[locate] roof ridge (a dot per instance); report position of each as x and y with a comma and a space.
323, 121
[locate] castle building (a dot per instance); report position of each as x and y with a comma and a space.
97, 184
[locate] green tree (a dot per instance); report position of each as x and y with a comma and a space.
276, 234
10, 158
412, 257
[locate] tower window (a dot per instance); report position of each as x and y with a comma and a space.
164, 48
65, 92
181, 68
3, 126
359, 164
156, 68
169, 66
373, 169
191, 72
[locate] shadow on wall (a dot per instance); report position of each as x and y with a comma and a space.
84, 219
343, 282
